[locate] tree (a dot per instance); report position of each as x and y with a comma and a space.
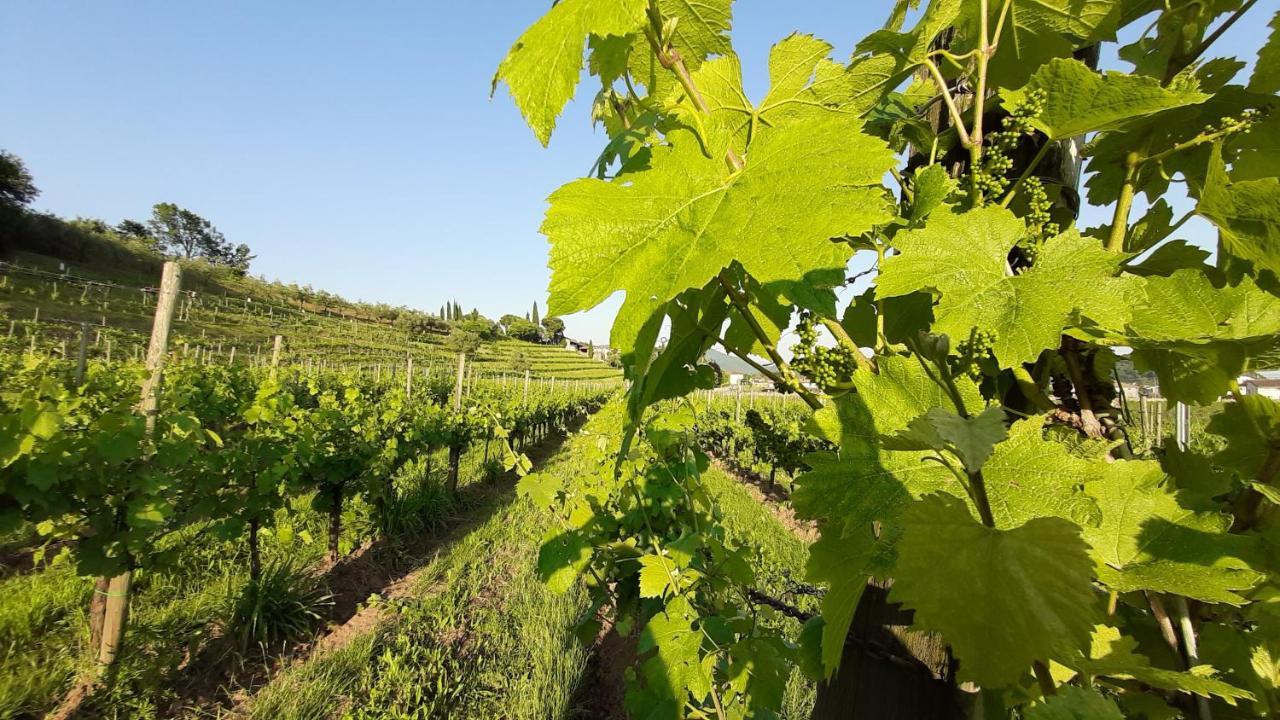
981, 509
188, 235
524, 330
553, 329
520, 362
17, 187
134, 229
463, 341
533, 317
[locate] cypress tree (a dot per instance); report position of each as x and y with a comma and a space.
534, 317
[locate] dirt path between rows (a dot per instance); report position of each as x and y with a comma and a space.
217, 686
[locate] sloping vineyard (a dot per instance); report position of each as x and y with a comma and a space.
205, 511
50, 310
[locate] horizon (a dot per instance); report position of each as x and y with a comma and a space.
338, 173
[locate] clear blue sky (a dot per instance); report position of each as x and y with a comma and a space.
353, 146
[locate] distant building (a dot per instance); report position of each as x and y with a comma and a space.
735, 378
596, 352
1264, 382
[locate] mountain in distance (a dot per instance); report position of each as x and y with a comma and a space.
734, 364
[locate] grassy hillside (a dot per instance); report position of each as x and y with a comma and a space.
44, 300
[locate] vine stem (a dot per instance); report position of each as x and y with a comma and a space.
1120, 220
949, 101
744, 309
985, 49
1044, 678
842, 336
1193, 654
1180, 63
1026, 173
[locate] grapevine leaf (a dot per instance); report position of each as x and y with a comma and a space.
1030, 476
1257, 152
886, 58
1081, 101
540, 488
1147, 540
701, 32
1170, 258
561, 559
678, 224
1196, 374
839, 560
904, 317
543, 65
1251, 428
803, 83
656, 576
886, 402
964, 258
1187, 307
1266, 70
932, 188
1075, 703
676, 666
1114, 655
1001, 598
1036, 32
1247, 213
973, 439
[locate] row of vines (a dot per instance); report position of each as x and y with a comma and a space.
231, 454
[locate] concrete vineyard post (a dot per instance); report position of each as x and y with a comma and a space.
117, 604
408, 377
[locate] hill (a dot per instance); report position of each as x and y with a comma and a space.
224, 316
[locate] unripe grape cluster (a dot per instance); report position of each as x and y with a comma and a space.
977, 347
996, 164
1039, 223
825, 366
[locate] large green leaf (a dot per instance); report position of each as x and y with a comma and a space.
964, 258
1247, 213
1031, 476
1147, 540
1074, 703
543, 65
1114, 655
1251, 428
675, 226
803, 81
1266, 71
1001, 598
1081, 101
701, 32
839, 560
1035, 32
1186, 307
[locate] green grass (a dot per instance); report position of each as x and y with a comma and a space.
478, 636
782, 555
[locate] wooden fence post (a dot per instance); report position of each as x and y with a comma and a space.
275, 355
116, 612
457, 387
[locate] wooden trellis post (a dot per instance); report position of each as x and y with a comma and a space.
116, 610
